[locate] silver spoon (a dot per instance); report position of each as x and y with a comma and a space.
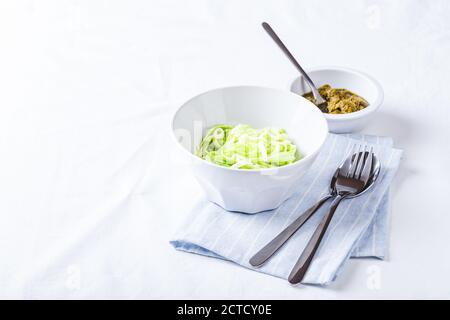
351, 181
273, 246
320, 102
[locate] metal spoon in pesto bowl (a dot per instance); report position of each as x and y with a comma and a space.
363, 89
319, 101
338, 77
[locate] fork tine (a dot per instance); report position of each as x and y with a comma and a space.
346, 166
351, 159
367, 170
361, 163
354, 164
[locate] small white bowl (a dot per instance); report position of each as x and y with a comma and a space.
356, 81
254, 190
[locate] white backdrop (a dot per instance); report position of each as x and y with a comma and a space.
90, 187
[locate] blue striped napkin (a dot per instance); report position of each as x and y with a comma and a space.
358, 229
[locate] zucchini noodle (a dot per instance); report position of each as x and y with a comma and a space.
244, 147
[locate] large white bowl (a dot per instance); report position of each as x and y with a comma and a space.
356, 81
255, 190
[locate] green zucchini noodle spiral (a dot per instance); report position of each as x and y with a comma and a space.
244, 147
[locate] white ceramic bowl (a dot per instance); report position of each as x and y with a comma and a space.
254, 190
358, 82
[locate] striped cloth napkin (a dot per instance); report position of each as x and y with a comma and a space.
358, 229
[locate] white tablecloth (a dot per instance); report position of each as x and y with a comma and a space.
91, 189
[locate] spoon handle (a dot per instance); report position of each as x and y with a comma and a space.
302, 264
269, 249
288, 54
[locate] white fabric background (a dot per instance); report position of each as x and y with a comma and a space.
91, 189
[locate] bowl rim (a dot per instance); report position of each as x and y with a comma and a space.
265, 170
357, 114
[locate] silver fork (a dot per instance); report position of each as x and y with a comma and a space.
351, 181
